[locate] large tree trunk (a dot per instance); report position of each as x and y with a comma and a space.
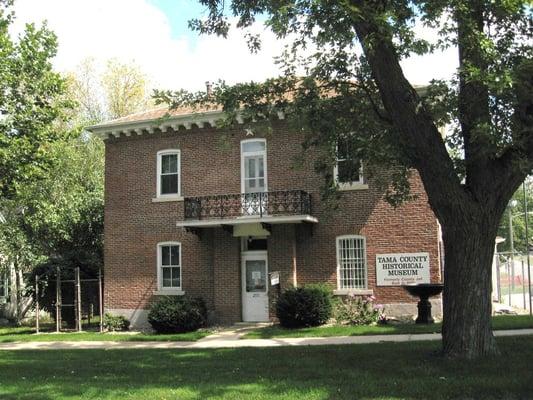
469, 249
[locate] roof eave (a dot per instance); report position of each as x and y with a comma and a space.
127, 128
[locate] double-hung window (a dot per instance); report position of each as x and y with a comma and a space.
351, 262
348, 170
168, 173
169, 266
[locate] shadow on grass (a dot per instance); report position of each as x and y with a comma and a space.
498, 323
378, 371
26, 334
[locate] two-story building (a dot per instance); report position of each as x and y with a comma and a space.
193, 210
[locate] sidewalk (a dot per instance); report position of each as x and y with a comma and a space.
231, 338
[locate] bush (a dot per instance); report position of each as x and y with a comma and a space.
358, 310
177, 314
115, 323
304, 306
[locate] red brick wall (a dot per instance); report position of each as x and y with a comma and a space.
211, 265
227, 288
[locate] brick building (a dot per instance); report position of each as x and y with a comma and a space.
189, 214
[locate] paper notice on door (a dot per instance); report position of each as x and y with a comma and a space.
256, 275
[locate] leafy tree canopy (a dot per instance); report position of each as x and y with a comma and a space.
342, 92
120, 89
31, 103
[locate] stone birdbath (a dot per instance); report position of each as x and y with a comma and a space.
424, 291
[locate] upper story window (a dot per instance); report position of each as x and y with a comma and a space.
351, 262
253, 166
348, 169
169, 266
168, 173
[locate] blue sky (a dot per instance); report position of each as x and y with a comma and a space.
179, 12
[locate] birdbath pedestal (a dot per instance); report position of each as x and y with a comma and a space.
424, 291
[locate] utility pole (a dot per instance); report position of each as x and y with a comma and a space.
511, 243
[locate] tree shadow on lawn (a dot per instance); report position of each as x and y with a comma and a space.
377, 371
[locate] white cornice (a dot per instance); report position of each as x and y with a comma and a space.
162, 124
149, 126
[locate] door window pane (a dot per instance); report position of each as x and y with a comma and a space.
261, 168
255, 276
251, 168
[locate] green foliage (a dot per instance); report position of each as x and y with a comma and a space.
357, 310
120, 89
31, 104
116, 323
125, 88
304, 306
60, 217
516, 208
342, 92
57, 222
177, 314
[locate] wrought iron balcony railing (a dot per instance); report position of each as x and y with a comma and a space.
260, 204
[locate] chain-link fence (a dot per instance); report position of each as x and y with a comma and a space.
511, 280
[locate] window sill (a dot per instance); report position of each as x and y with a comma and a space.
165, 199
352, 186
168, 292
356, 292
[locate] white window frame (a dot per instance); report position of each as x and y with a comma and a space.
355, 290
353, 185
178, 291
169, 196
254, 153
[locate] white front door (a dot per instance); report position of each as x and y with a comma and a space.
255, 287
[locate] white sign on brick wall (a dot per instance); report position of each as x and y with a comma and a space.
402, 269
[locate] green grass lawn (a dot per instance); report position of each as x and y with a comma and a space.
498, 322
24, 334
379, 371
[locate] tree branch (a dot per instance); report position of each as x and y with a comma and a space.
416, 130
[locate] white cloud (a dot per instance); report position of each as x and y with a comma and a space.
439, 65
135, 30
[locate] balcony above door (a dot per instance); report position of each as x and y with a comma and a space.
233, 210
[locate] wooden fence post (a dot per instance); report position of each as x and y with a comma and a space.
37, 303
100, 300
78, 299
58, 299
